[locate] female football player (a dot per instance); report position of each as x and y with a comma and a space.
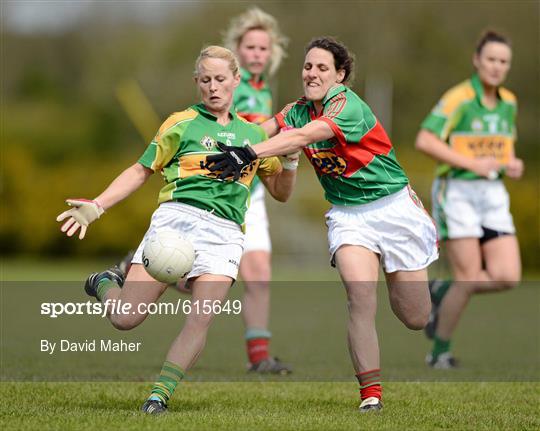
375, 218
471, 133
207, 211
255, 38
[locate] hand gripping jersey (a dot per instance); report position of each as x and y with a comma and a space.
179, 151
470, 128
358, 165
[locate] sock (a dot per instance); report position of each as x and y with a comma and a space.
370, 384
440, 346
170, 376
438, 289
104, 286
257, 343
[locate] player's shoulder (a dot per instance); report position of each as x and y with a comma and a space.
299, 103
177, 118
507, 96
252, 127
456, 96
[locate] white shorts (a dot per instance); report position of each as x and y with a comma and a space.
217, 241
396, 227
257, 234
461, 208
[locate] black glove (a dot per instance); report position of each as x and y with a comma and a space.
231, 161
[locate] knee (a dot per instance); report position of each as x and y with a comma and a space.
362, 300
256, 287
416, 322
199, 321
506, 282
124, 322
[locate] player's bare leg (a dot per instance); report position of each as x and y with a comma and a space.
255, 270
487, 268
138, 290
256, 273
409, 297
359, 270
187, 347
189, 344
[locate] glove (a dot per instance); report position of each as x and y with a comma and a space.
232, 160
83, 213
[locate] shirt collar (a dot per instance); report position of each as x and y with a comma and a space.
334, 91
201, 108
479, 88
246, 76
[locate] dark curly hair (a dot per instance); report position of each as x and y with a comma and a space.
491, 36
343, 59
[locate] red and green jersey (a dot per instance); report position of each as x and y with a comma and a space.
358, 165
179, 152
253, 101
470, 128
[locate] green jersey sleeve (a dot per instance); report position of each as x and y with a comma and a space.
448, 111
167, 141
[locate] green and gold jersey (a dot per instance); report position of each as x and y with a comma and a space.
179, 152
358, 165
470, 128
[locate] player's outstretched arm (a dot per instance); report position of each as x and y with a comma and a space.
429, 144
294, 140
84, 211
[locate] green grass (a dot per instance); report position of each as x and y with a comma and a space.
497, 387
262, 406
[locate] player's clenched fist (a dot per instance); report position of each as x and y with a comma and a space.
83, 213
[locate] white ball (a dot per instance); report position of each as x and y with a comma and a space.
167, 256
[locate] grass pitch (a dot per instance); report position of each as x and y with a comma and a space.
497, 387
271, 406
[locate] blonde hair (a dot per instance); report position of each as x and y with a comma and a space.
256, 19
215, 51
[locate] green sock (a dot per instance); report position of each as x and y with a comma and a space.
170, 376
104, 286
440, 346
438, 289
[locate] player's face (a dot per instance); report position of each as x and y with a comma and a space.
319, 74
493, 63
216, 83
254, 51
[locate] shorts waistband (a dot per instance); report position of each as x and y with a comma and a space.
203, 214
379, 203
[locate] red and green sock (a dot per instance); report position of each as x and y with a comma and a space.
370, 384
257, 344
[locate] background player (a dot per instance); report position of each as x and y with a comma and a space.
375, 216
471, 133
255, 38
194, 203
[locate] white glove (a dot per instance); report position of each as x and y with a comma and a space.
290, 161
84, 212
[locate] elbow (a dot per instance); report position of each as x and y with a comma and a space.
419, 143
282, 197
